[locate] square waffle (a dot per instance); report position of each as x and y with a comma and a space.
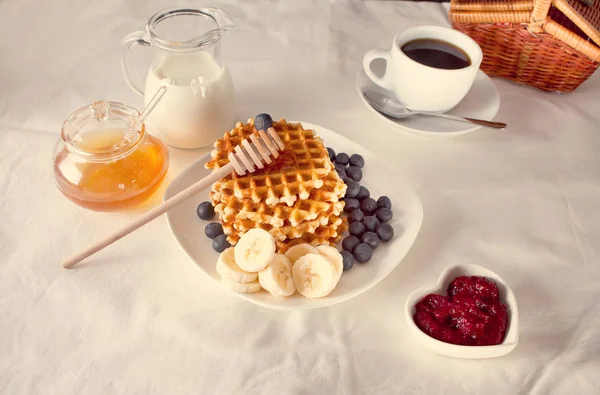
325, 199
300, 167
296, 198
321, 235
287, 231
302, 210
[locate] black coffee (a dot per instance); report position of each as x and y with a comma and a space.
436, 53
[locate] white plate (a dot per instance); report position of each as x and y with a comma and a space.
482, 102
507, 297
378, 178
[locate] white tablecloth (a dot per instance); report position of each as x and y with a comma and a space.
140, 318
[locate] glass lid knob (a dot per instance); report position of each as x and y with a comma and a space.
99, 110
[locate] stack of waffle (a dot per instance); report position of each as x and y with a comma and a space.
296, 198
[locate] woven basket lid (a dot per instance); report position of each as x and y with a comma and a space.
582, 18
491, 5
586, 17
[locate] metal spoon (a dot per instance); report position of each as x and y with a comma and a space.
394, 109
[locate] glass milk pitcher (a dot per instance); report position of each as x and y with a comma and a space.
199, 105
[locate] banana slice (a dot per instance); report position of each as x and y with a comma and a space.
334, 257
246, 288
254, 250
336, 260
277, 277
295, 252
313, 276
229, 270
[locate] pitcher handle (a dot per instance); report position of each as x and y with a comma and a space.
131, 75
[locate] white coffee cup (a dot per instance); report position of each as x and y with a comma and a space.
420, 87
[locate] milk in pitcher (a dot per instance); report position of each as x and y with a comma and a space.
198, 107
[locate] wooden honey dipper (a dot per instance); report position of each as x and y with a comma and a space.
252, 154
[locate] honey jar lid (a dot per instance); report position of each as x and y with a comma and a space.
102, 129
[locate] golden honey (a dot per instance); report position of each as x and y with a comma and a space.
104, 167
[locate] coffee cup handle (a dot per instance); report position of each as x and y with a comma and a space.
370, 56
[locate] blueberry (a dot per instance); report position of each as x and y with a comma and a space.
371, 223
350, 243
355, 173
384, 214
355, 216
363, 193
351, 204
357, 160
220, 243
331, 153
385, 232
342, 158
213, 230
352, 189
347, 180
341, 170
368, 206
348, 259
356, 229
205, 211
362, 253
384, 202
371, 239
263, 122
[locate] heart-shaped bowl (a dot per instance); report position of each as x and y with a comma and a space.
507, 297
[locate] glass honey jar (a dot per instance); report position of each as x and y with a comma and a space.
103, 163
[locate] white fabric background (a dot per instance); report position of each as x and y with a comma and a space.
139, 318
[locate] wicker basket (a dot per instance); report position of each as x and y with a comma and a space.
549, 44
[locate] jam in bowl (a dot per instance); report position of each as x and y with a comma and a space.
470, 313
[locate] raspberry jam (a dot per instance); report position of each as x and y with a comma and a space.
470, 315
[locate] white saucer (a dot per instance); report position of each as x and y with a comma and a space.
408, 216
482, 102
